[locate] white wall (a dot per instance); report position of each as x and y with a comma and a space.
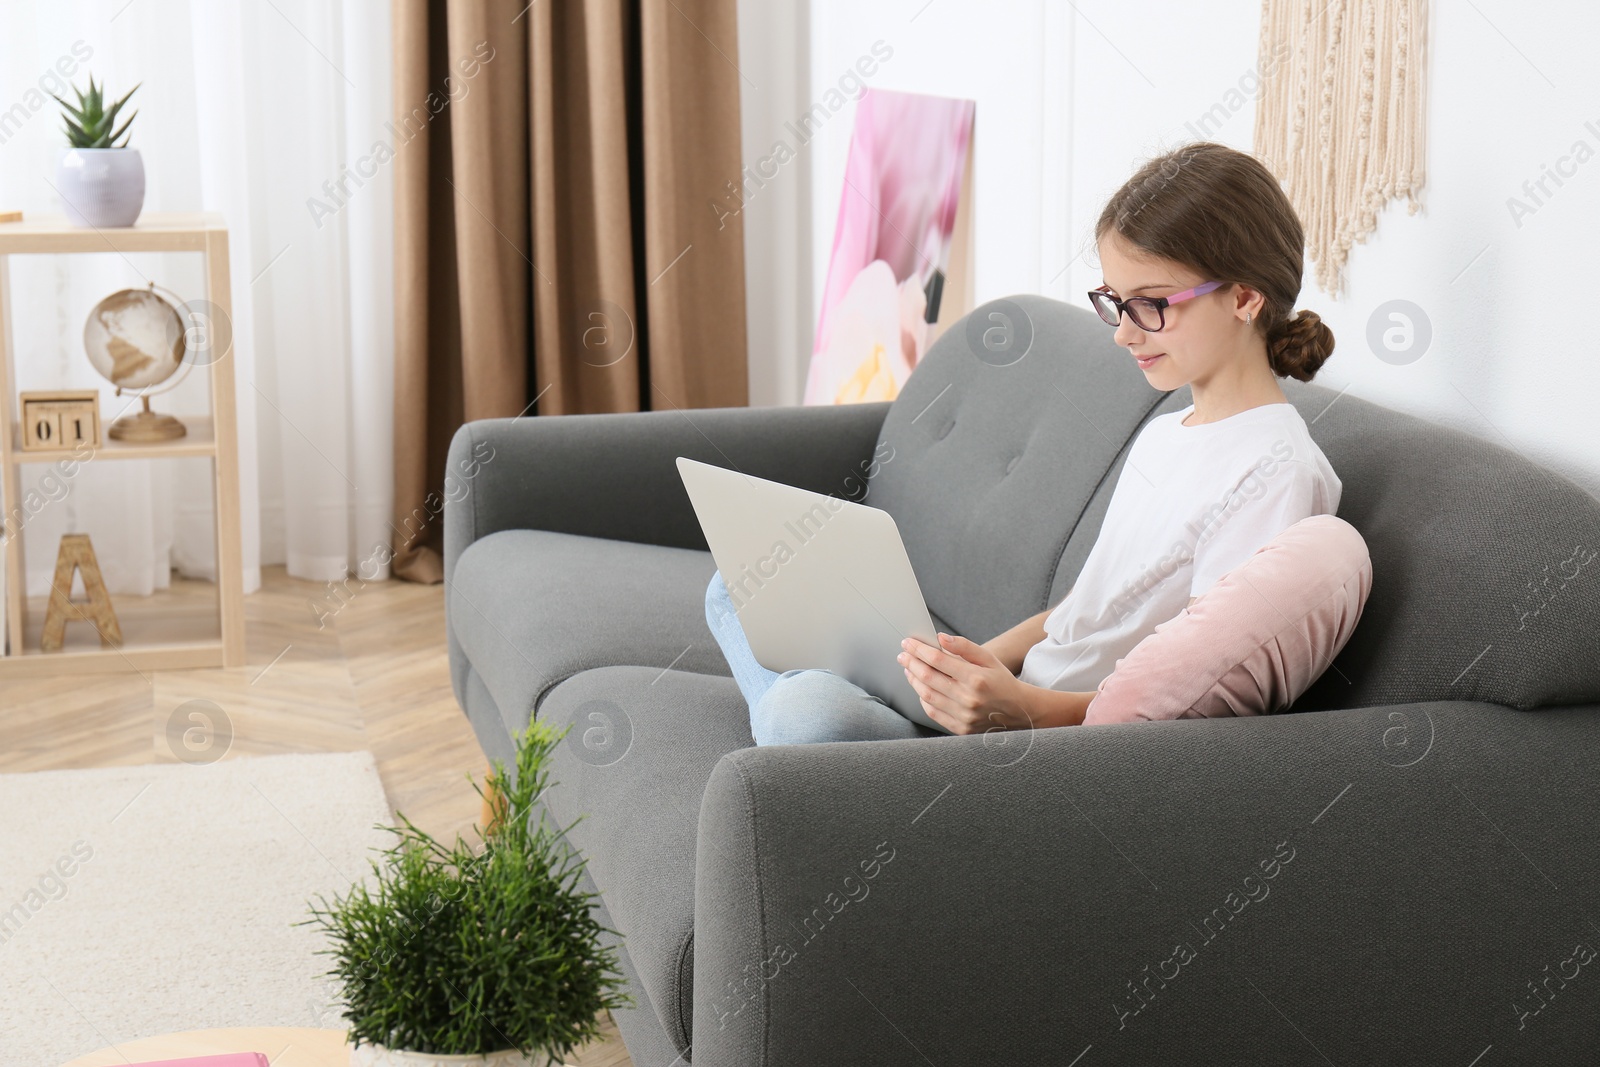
1069, 100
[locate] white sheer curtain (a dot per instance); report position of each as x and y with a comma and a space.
270, 112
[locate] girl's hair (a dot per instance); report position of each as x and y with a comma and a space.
1221, 213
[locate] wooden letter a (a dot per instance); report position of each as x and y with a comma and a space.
77, 554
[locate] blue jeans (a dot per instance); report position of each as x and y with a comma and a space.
801, 706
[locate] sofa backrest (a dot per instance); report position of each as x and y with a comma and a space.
1485, 565
1008, 439
999, 441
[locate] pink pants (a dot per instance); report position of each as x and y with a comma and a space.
1253, 642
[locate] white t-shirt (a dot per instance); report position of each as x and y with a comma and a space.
1191, 503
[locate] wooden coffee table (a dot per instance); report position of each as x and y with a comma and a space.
284, 1047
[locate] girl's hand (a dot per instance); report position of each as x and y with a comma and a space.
964, 687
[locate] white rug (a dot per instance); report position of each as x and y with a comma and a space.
138, 901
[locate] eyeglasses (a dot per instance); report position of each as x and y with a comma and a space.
1147, 312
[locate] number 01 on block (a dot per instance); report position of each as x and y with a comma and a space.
60, 420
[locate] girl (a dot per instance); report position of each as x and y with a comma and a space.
1221, 582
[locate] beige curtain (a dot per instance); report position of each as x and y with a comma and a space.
562, 238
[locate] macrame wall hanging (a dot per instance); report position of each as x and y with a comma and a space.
1340, 116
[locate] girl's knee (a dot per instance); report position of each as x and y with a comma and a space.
1330, 540
807, 706
1292, 575
1306, 559
1336, 554
782, 715
803, 695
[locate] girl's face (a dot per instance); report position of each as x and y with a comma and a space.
1201, 334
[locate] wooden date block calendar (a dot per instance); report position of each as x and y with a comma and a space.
56, 420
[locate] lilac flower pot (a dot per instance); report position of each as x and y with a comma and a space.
101, 187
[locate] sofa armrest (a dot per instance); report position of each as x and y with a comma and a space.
1359, 886
615, 475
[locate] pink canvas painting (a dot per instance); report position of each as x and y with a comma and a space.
891, 247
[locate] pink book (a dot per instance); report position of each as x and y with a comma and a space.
227, 1059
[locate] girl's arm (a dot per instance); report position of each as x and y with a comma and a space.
1011, 646
966, 688
970, 687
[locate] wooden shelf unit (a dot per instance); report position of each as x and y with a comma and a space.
215, 437
201, 440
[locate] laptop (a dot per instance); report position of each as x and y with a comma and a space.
817, 582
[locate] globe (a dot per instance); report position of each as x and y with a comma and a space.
134, 339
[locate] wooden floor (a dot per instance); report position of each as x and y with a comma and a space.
372, 676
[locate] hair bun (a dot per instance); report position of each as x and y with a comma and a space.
1298, 347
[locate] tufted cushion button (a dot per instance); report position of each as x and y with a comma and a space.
1012, 463
944, 431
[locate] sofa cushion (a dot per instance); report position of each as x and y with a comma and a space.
632, 769
531, 608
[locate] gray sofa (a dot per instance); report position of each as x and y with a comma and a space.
1403, 868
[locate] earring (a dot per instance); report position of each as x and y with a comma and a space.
1247, 318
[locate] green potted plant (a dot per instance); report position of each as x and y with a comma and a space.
100, 179
487, 957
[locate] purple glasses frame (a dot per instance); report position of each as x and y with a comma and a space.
1110, 308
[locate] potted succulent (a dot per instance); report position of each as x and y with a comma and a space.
100, 179
486, 957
